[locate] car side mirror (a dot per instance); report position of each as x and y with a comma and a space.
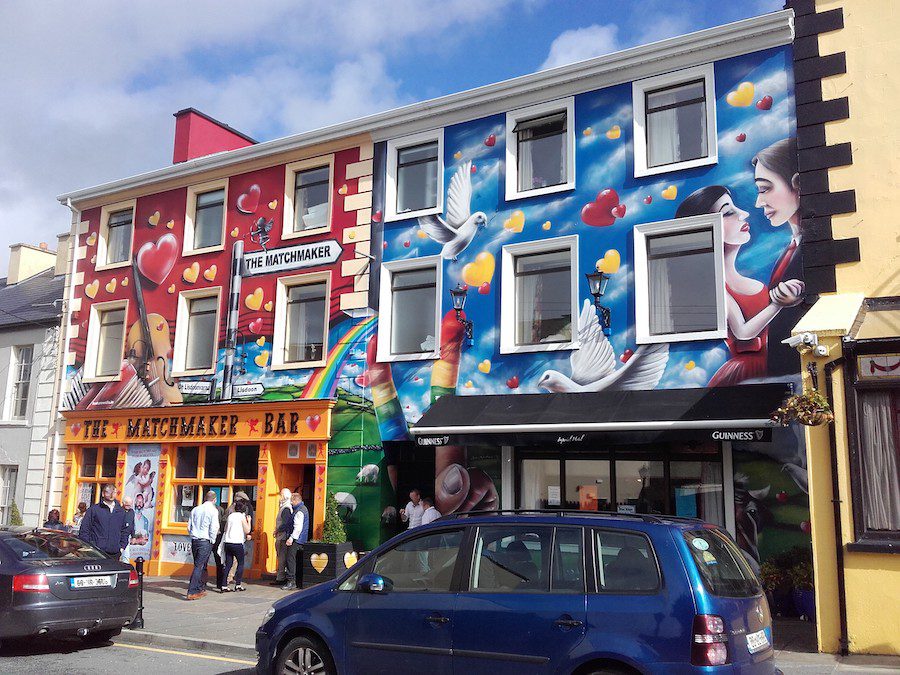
374, 583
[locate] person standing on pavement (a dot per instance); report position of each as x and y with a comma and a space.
77, 518
237, 531
430, 514
53, 522
104, 526
284, 525
218, 552
298, 536
413, 511
128, 505
203, 527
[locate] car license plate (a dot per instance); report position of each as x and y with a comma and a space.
90, 582
758, 641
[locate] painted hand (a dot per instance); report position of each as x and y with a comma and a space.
788, 293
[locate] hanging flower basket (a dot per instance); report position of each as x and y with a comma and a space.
809, 408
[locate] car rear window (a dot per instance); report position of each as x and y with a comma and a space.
722, 565
625, 562
49, 546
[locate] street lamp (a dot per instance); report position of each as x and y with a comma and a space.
458, 297
597, 282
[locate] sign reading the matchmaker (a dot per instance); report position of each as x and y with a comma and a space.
292, 257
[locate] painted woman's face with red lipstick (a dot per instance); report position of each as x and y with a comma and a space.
735, 229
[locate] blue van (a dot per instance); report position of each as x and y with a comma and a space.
532, 592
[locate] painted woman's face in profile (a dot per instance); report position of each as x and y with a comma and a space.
778, 200
735, 229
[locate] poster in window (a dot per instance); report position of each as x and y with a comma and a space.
141, 486
187, 495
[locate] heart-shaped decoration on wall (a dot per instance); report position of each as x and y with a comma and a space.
153, 220
210, 273
602, 211
191, 273
255, 300
350, 559
248, 201
91, 289
670, 192
312, 421
255, 326
319, 561
515, 222
262, 359
742, 96
490, 141
480, 271
111, 285
155, 259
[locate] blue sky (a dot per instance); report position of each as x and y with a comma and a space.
91, 86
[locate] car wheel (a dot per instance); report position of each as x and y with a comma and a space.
100, 636
305, 656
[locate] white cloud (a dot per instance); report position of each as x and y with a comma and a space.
582, 43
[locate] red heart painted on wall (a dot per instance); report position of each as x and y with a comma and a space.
627, 354
619, 211
648, 199
248, 202
376, 216
513, 382
490, 141
76, 428
484, 289
741, 137
599, 213
156, 259
362, 380
764, 103
256, 326
312, 421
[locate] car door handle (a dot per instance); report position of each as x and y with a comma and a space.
568, 623
437, 619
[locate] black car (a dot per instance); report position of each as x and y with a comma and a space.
52, 583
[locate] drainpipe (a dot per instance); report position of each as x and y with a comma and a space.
836, 505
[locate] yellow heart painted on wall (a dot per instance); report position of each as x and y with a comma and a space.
273, 204
670, 192
171, 224
210, 273
587, 131
350, 559
235, 232
457, 155
91, 289
485, 366
261, 341
92, 239
262, 359
268, 306
319, 561
469, 384
255, 300
614, 132
171, 289
422, 234
690, 365
546, 225
154, 219
480, 271
610, 262
742, 96
111, 286
191, 273
124, 281
343, 189
515, 222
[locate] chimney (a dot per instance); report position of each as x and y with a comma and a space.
26, 260
62, 254
198, 135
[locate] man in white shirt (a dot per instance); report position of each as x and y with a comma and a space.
203, 527
430, 514
414, 509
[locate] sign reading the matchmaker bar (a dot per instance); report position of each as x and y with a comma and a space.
292, 257
198, 424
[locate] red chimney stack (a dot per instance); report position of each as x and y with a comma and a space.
198, 135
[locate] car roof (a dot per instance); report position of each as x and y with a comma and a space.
574, 517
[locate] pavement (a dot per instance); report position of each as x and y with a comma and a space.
224, 625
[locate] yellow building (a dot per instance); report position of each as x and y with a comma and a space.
845, 59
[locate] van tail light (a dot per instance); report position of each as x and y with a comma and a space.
709, 646
132, 579
31, 583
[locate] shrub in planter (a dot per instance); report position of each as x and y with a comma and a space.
330, 556
809, 408
15, 516
804, 590
777, 584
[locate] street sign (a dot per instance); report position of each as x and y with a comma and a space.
195, 387
246, 390
314, 254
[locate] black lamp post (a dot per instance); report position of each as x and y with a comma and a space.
458, 296
597, 282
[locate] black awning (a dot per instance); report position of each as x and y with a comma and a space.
721, 413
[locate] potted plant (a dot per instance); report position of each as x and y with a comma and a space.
804, 593
809, 408
327, 558
15, 516
777, 584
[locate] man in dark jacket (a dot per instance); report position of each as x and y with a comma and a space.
104, 525
298, 521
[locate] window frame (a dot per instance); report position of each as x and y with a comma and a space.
92, 343
594, 587
639, 91
641, 234
97, 478
462, 557
279, 340
394, 146
103, 235
179, 352
16, 381
190, 214
290, 181
513, 117
386, 304
509, 254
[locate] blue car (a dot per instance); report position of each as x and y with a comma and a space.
532, 592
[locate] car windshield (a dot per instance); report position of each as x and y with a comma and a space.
724, 570
45, 545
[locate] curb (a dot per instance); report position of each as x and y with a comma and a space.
219, 648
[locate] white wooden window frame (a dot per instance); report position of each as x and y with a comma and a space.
281, 306
103, 235
513, 117
642, 281
386, 306
508, 344
91, 350
290, 181
390, 182
190, 215
639, 89
179, 352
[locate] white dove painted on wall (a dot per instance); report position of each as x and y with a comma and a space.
461, 226
596, 368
